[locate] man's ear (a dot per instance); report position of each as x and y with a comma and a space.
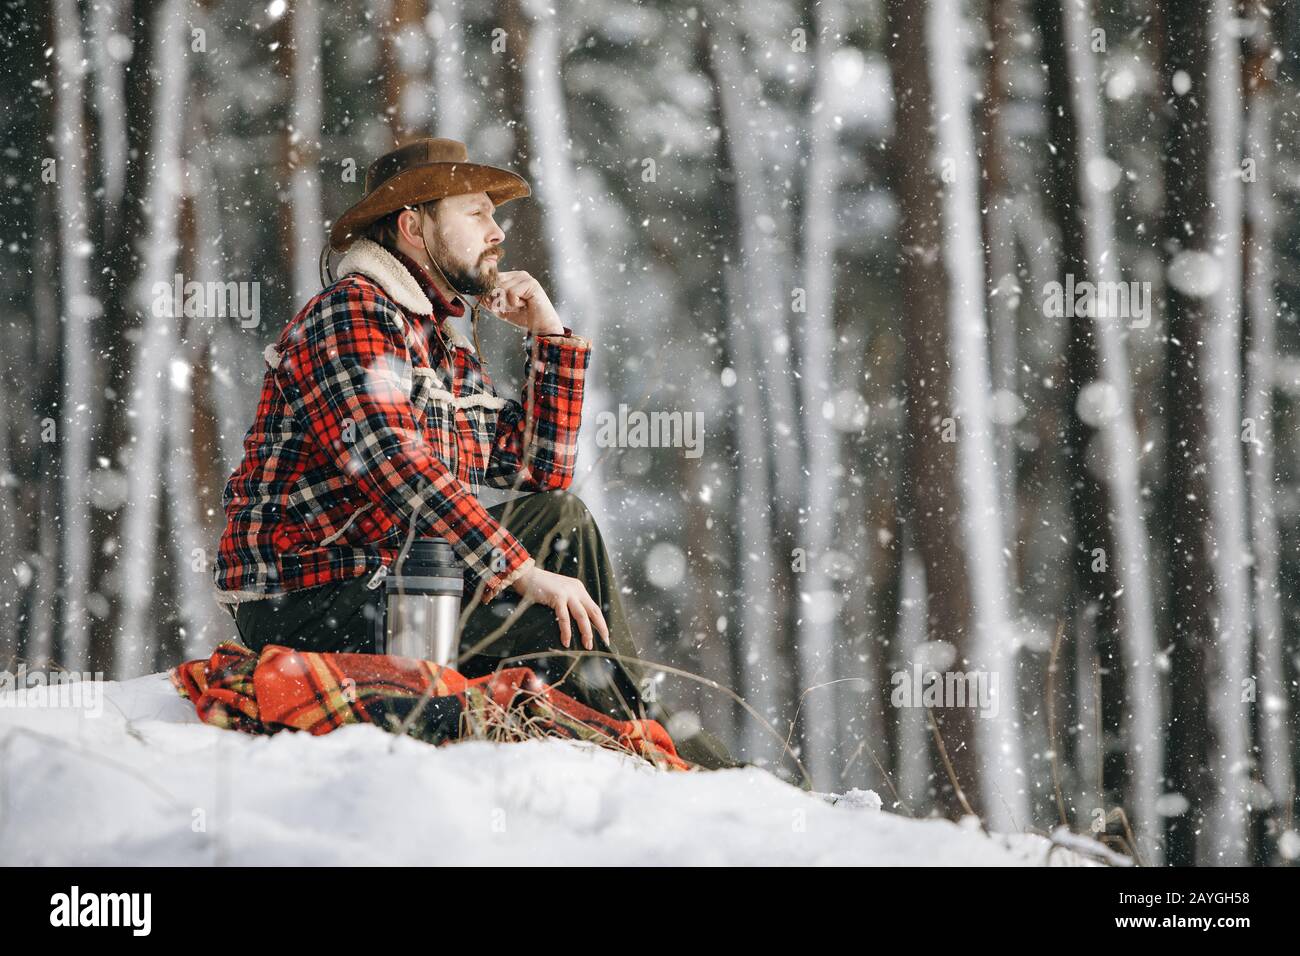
408, 227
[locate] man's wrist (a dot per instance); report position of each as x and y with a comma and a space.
520, 579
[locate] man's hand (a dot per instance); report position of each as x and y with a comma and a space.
520, 300
568, 598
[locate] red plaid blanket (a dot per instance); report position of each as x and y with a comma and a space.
286, 689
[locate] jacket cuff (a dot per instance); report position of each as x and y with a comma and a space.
492, 592
567, 337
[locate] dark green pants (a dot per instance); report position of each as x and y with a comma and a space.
556, 528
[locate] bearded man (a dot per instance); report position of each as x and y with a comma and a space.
377, 419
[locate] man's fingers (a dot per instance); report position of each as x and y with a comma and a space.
584, 625
511, 281
562, 616
518, 288
514, 277
507, 300
594, 612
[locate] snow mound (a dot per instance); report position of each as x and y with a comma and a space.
138, 780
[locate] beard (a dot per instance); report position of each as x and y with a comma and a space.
477, 279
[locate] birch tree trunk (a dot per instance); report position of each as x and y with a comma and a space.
1112, 564
44, 588
762, 273
78, 309
756, 642
760, 677
451, 91
110, 49
953, 501
1262, 311
714, 654
915, 771
1003, 778
1209, 738
1227, 840
1000, 249
560, 194
189, 547
11, 551
213, 358
405, 55
764, 260
304, 150
156, 346
820, 599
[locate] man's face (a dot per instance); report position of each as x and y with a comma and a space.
465, 241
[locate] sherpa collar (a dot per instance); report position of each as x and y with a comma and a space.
368, 258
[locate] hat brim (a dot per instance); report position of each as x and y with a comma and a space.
423, 183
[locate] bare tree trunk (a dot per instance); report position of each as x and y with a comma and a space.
1000, 250
764, 259
304, 135
44, 588
405, 55
713, 651
232, 353
951, 490
756, 640
1227, 834
108, 19
915, 771
451, 92
820, 659
157, 344
11, 552
1111, 560
1209, 739
768, 271
1003, 777
79, 308
188, 540
560, 195
1262, 312
1090, 743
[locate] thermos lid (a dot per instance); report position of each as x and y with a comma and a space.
430, 567
430, 558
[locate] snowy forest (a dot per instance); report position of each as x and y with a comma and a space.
985, 310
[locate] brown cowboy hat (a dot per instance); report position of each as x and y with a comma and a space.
418, 172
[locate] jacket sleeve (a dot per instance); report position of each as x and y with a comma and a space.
535, 447
346, 376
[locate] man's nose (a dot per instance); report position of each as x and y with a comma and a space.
496, 236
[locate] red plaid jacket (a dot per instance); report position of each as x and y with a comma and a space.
375, 413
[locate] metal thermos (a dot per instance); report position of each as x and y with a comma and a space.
421, 606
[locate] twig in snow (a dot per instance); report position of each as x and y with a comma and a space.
952, 773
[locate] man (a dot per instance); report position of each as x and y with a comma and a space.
375, 415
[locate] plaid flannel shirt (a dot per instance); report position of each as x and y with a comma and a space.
370, 417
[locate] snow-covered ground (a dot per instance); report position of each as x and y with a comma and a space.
142, 781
